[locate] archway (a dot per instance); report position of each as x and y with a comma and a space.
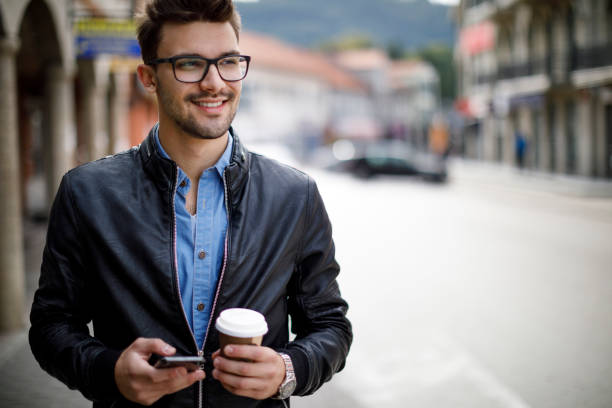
39, 55
30, 57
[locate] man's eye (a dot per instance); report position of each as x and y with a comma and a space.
230, 61
189, 64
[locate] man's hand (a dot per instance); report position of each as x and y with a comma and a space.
257, 378
139, 382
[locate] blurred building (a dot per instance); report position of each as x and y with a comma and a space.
306, 98
540, 71
63, 102
413, 100
293, 95
37, 65
405, 94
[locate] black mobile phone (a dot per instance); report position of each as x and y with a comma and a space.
191, 363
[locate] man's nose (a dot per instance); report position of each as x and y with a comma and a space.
212, 80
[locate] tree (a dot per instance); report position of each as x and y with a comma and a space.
347, 42
441, 57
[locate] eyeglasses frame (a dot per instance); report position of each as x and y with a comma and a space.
209, 62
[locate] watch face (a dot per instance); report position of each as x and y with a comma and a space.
287, 389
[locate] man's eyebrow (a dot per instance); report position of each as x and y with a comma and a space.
225, 54
233, 52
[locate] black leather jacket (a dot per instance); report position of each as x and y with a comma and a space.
110, 259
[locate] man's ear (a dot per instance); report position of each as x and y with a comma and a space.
146, 75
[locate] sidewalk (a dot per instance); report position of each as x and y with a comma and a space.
529, 180
23, 384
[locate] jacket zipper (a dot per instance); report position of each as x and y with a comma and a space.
176, 278
223, 268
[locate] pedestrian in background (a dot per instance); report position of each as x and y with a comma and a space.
439, 141
151, 244
520, 149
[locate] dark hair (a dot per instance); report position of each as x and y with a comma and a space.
159, 12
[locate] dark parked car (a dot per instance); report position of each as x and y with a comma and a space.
393, 158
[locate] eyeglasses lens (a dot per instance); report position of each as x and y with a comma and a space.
232, 68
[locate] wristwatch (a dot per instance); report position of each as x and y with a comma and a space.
288, 385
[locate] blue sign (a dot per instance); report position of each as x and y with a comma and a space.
99, 36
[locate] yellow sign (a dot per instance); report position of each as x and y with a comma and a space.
100, 36
102, 27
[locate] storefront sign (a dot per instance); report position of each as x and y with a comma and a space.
98, 36
477, 38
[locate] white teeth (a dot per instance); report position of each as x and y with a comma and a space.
209, 105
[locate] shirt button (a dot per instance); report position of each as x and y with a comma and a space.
183, 184
200, 306
202, 255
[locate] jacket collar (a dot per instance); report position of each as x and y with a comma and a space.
163, 170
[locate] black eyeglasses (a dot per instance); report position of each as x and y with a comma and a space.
193, 68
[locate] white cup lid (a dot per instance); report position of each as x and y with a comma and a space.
241, 323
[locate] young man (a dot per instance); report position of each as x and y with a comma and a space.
150, 245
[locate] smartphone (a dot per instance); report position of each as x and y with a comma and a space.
191, 363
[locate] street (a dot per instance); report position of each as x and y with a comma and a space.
470, 294
473, 294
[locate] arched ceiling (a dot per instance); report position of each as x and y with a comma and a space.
39, 46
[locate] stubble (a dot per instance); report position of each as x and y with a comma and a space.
177, 111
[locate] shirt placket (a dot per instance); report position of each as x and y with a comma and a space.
203, 257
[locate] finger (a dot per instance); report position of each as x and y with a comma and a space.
183, 381
240, 368
160, 375
216, 354
247, 352
238, 384
146, 346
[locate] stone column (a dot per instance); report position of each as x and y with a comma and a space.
119, 112
559, 49
93, 75
599, 129
521, 29
488, 138
61, 133
541, 128
508, 141
560, 137
12, 271
601, 23
584, 136
546, 129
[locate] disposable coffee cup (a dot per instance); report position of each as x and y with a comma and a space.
240, 326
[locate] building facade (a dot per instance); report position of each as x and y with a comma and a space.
404, 95
57, 109
292, 95
539, 71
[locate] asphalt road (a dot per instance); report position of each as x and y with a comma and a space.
493, 290
487, 292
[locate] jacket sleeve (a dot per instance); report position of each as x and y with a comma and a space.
318, 312
59, 336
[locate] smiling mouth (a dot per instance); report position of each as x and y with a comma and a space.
209, 104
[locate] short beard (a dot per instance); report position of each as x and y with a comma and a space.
187, 122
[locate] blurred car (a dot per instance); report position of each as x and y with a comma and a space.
392, 158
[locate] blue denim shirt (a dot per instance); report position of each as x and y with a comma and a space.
200, 240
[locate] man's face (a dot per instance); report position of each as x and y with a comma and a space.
202, 109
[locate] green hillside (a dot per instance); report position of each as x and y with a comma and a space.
310, 23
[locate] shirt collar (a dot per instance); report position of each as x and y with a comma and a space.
221, 164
